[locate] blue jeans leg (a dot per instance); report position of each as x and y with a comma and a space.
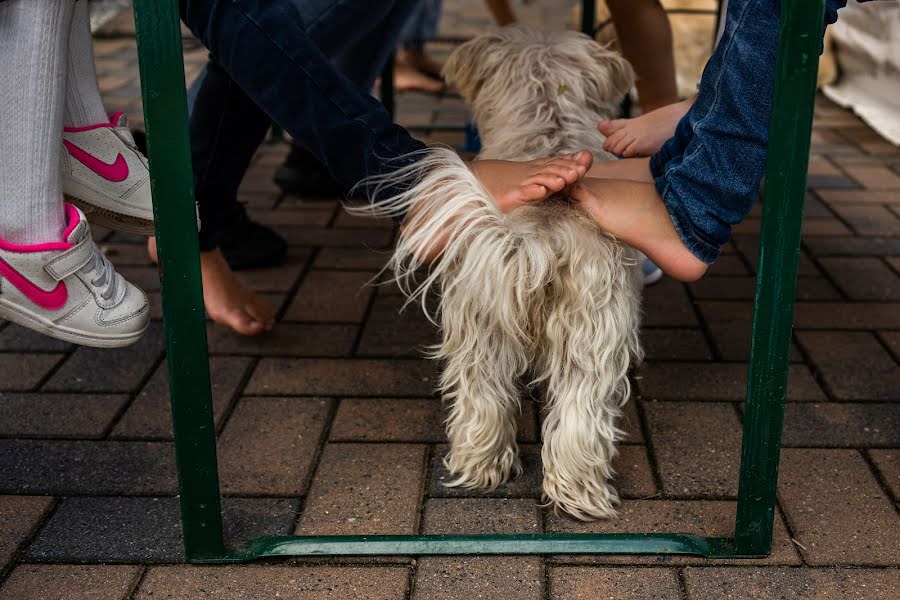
266, 50
708, 174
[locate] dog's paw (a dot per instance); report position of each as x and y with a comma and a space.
584, 500
474, 471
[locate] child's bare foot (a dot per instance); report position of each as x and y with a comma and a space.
513, 184
635, 214
420, 61
643, 135
407, 78
226, 299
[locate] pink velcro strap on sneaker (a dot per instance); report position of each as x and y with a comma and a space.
73, 259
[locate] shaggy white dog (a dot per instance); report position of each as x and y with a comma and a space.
540, 296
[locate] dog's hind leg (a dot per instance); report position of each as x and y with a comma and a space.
590, 336
479, 384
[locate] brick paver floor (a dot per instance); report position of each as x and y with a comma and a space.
330, 425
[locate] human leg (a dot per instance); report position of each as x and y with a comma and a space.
707, 175
83, 104
53, 278
646, 39
286, 74
33, 44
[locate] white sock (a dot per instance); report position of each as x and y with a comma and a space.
83, 103
34, 36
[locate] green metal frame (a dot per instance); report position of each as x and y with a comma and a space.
162, 78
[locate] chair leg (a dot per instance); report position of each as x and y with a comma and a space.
779, 249
165, 114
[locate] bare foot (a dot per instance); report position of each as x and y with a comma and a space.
226, 299
643, 135
635, 214
407, 78
418, 60
514, 184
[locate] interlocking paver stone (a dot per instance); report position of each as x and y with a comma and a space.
399, 420
70, 582
82, 467
842, 424
836, 315
21, 372
627, 583
674, 344
340, 296
360, 377
390, 332
365, 488
667, 304
698, 447
836, 509
853, 364
15, 338
736, 583
267, 582
863, 278
58, 415
287, 339
150, 415
270, 444
468, 577
19, 517
731, 324
124, 368
473, 577
715, 381
145, 529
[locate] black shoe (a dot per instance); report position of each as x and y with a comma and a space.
246, 244
301, 175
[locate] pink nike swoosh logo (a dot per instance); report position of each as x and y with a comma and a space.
52, 300
116, 171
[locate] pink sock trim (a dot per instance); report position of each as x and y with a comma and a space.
113, 121
72, 220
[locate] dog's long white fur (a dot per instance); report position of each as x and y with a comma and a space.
537, 297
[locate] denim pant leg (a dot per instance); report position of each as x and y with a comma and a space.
362, 60
266, 50
226, 128
708, 174
422, 24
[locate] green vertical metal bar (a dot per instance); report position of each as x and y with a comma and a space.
387, 92
165, 115
588, 16
793, 103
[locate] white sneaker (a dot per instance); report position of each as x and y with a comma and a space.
68, 290
107, 177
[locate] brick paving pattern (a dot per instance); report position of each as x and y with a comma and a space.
330, 424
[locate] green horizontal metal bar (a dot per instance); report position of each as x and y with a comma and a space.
420, 545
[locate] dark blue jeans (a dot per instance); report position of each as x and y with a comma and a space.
271, 62
708, 174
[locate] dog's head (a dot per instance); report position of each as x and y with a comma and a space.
533, 91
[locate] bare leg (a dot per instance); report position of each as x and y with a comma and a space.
646, 39
643, 135
632, 169
227, 301
635, 214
